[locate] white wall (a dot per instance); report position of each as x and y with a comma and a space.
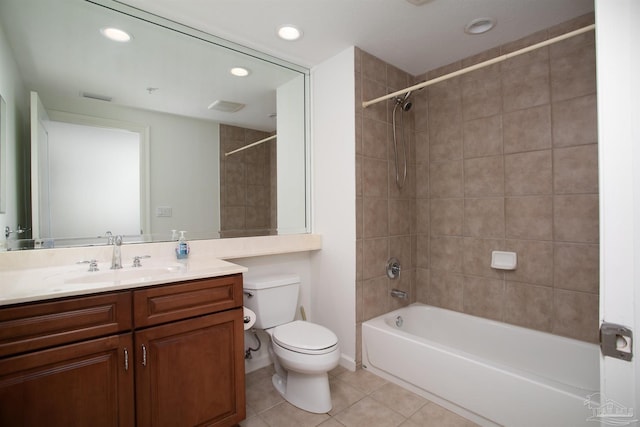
15, 95
290, 164
296, 263
183, 161
93, 180
333, 269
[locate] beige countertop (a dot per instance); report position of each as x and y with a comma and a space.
38, 284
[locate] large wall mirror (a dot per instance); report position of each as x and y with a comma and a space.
145, 136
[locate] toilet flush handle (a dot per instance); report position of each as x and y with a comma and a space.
247, 293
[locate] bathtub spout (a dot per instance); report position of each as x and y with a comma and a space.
397, 293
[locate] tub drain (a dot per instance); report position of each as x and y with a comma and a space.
399, 321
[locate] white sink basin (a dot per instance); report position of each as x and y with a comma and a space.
141, 274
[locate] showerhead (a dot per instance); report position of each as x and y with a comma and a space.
403, 101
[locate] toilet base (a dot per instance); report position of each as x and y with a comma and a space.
309, 392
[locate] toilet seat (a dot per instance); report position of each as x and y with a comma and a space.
305, 337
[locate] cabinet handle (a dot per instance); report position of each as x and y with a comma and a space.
126, 359
144, 355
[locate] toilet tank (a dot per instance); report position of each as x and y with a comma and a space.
273, 298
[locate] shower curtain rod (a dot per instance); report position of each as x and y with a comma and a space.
495, 60
269, 138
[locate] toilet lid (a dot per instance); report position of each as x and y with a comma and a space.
305, 337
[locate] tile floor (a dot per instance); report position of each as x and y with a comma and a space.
360, 399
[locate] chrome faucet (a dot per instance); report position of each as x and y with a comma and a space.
397, 293
116, 259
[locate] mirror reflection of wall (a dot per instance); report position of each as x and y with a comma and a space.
248, 186
93, 181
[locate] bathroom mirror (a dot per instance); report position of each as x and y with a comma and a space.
174, 83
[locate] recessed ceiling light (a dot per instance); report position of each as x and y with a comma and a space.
479, 26
289, 32
116, 34
240, 71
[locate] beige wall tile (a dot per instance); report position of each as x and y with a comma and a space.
445, 289
359, 220
575, 218
523, 42
375, 296
575, 169
372, 90
422, 285
446, 217
396, 78
420, 111
446, 179
576, 267
528, 173
374, 180
575, 121
359, 260
422, 215
527, 130
400, 248
484, 217
483, 297
422, 180
374, 138
576, 315
400, 217
529, 306
422, 147
525, 86
484, 176
534, 260
358, 176
529, 217
572, 24
573, 74
481, 97
375, 217
446, 253
374, 68
483, 137
422, 251
375, 253
476, 257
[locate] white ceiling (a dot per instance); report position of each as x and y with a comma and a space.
413, 38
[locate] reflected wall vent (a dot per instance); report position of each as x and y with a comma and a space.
96, 96
226, 106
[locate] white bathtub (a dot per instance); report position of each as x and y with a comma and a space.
490, 372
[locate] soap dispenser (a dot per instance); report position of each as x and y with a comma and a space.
182, 250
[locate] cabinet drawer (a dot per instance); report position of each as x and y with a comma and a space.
35, 326
161, 304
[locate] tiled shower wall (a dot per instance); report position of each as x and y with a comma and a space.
385, 213
247, 183
505, 158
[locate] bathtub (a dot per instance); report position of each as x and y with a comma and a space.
490, 372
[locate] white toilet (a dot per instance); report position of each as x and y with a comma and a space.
302, 352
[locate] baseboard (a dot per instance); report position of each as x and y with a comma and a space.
256, 363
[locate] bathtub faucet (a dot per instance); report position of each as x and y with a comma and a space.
397, 293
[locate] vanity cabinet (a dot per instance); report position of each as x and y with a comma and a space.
169, 355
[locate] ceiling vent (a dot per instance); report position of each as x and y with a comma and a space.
96, 96
226, 106
418, 2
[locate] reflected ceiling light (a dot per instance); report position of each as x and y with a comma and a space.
116, 34
240, 71
289, 32
479, 26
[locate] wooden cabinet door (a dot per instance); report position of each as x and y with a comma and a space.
84, 384
191, 372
